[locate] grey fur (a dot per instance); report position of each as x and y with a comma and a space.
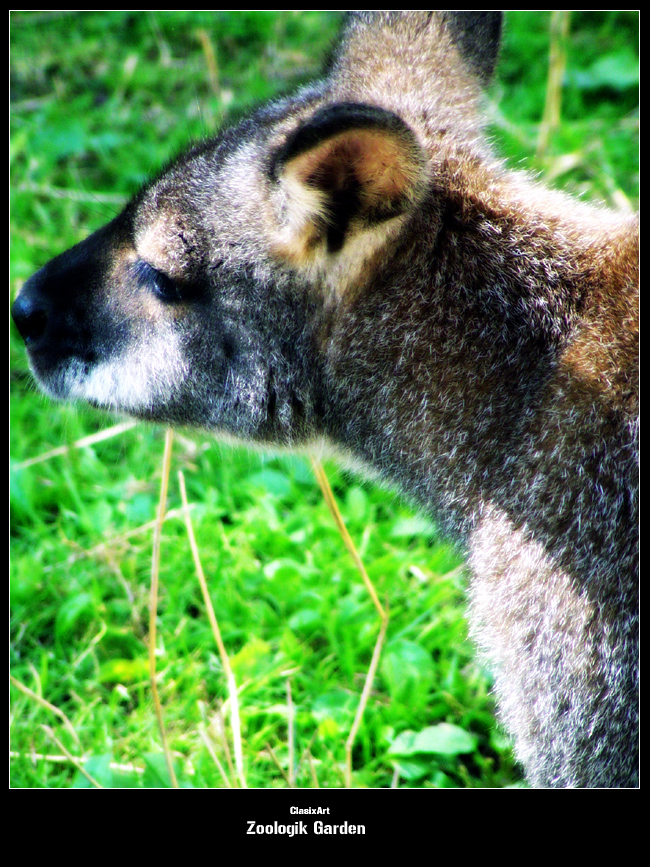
351, 263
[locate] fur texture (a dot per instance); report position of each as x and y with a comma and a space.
352, 263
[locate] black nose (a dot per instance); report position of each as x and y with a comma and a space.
29, 313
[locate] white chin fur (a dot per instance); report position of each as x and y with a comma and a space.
141, 378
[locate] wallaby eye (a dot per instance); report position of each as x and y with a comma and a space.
157, 281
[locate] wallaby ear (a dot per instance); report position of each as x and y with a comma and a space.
348, 167
478, 37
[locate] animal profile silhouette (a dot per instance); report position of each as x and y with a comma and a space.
352, 263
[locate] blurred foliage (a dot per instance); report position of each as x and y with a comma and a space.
99, 101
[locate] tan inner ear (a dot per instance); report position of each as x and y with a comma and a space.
381, 171
382, 166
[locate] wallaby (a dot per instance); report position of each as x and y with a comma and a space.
351, 264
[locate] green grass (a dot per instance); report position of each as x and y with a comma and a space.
99, 101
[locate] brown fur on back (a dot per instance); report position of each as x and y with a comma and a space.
353, 264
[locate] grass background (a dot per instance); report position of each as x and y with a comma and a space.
99, 101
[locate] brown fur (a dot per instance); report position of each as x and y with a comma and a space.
353, 264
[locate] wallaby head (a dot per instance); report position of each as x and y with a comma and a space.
202, 302
352, 264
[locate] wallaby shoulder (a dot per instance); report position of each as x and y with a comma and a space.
353, 265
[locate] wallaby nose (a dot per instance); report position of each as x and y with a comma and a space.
29, 314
